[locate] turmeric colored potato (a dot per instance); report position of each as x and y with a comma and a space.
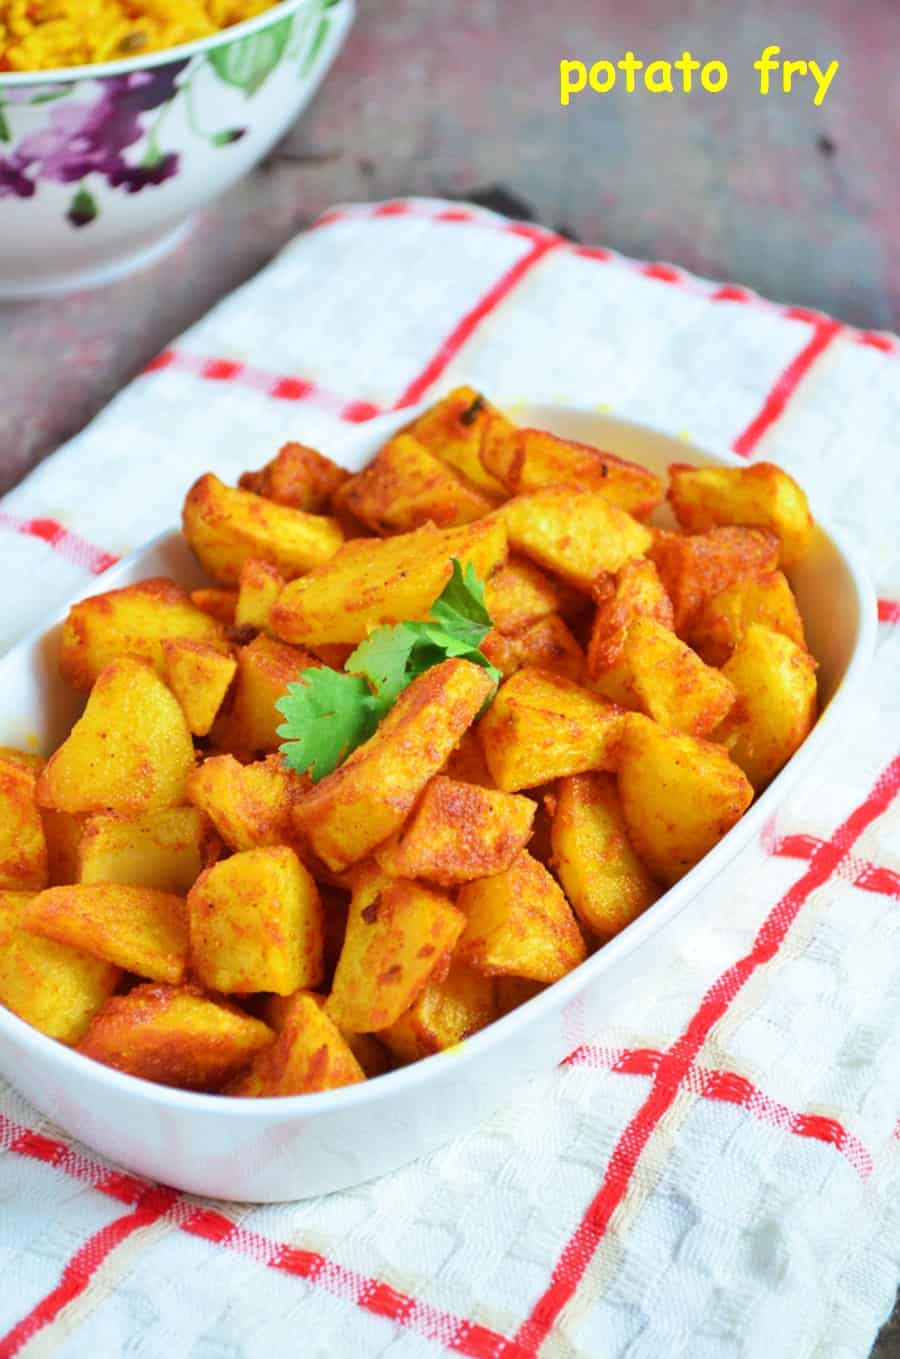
760, 494
256, 924
458, 832
520, 593
467, 763
541, 727
22, 759
576, 533
445, 1014
309, 1054
249, 804
297, 476
636, 591
62, 833
512, 992
175, 1035
218, 602
603, 878
680, 795
52, 987
693, 569
519, 924
165, 850
399, 935
392, 580
530, 459
369, 796
199, 676
405, 486
136, 928
130, 752
764, 598
546, 644
23, 848
372, 1056
248, 721
226, 526
260, 585
777, 702
456, 430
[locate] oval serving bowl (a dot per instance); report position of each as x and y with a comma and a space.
298, 1146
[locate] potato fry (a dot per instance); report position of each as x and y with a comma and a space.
298, 476
777, 702
760, 494
405, 487
456, 429
530, 459
547, 644
636, 592
764, 598
467, 763
22, 759
576, 533
309, 1054
165, 850
445, 1014
695, 569
62, 833
519, 593
248, 721
218, 602
136, 928
260, 585
199, 676
23, 846
250, 805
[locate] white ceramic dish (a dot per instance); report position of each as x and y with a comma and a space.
272, 1149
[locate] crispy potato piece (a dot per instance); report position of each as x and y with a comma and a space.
226, 526
530, 459
260, 585
248, 722
52, 987
165, 850
603, 878
635, 592
456, 429
132, 621
405, 486
777, 702
218, 602
368, 797
62, 833
297, 476
249, 804
540, 727
22, 759
371, 1055
519, 924
445, 1014
546, 644
680, 795
764, 598
256, 924
576, 533
199, 676
136, 928
467, 763
458, 832
520, 593
309, 1054
695, 569
175, 1035
760, 494
392, 580
399, 935
512, 992
130, 752
23, 847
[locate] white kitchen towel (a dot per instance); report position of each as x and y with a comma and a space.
717, 1176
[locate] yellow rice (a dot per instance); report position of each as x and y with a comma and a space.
38, 35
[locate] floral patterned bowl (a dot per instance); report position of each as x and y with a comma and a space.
101, 166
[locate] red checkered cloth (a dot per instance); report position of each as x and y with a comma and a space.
719, 1175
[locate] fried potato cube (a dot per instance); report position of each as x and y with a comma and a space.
406, 486
310, 1053
458, 832
52, 987
760, 494
165, 850
541, 727
256, 924
62, 833
635, 592
519, 924
260, 585
530, 459
390, 580
23, 847
218, 602
399, 935
467, 763
297, 476
248, 721
445, 1014
372, 1056
603, 878
764, 598
226, 526
175, 1035
136, 928
546, 644
576, 533
777, 702
369, 796
23, 759
520, 593
680, 796
132, 621
199, 676
456, 430
130, 752
514, 991
249, 804
693, 569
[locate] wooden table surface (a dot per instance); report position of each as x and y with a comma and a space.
797, 201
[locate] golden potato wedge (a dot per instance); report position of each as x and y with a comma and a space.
405, 486
62, 833
456, 428
297, 476
679, 795
695, 568
394, 580
605, 881
530, 459
541, 727
52, 987
547, 644
458, 832
256, 924
444, 1015
218, 602
519, 924
399, 935
249, 804
467, 763
175, 1035
226, 526
130, 752
764, 598
759, 494
23, 847
636, 591
260, 585
248, 721
165, 850
370, 1053
136, 928
368, 797
199, 676
777, 702
309, 1054
23, 759
519, 593
576, 533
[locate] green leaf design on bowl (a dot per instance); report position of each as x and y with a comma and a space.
248, 63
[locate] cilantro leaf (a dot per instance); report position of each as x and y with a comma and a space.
460, 608
384, 659
327, 715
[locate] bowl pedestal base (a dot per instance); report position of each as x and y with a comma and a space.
94, 275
